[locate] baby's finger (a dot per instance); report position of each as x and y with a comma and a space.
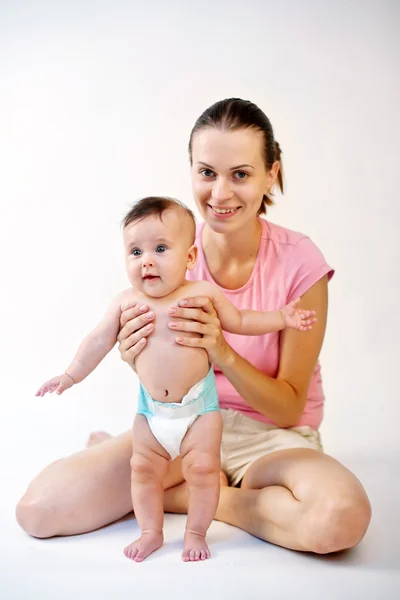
308, 321
308, 313
294, 303
50, 387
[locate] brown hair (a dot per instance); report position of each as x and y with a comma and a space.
156, 206
235, 113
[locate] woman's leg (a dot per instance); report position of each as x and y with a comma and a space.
297, 498
84, 491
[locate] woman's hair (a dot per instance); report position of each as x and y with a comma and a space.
234, 113
156, 206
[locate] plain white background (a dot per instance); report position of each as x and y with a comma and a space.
97, 100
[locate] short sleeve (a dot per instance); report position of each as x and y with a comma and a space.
306, 266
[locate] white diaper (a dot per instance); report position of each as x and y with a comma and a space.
169, 421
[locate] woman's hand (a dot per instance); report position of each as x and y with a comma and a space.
136, 324
201, 317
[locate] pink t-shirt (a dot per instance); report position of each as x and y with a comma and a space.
287, 265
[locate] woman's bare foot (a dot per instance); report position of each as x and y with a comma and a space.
145, 545
96, 437
195, 547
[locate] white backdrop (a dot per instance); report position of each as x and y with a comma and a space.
97, 100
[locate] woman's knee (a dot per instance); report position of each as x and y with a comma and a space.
337, 522
35, 516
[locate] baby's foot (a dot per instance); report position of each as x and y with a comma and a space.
195, 547
145, 545
96, 437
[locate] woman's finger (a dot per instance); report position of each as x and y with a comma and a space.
192, 314
189, 341
132, 312
192, 326
125, 342
131, 353
198, 302
134, 324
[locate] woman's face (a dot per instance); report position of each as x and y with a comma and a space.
229, 177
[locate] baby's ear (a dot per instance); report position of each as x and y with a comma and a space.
192, 257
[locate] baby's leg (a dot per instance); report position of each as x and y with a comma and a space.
149, 465
201, 461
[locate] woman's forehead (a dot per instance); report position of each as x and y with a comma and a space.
228, 148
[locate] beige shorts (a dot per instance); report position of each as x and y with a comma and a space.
244, 440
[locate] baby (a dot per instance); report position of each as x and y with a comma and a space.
178, 411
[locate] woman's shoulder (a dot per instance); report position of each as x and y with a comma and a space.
281, 235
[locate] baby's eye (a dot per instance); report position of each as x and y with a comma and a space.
161, 248
207, 172
241, 174
136, 252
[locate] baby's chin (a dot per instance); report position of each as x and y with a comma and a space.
154, 289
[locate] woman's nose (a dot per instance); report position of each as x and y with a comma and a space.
222, 189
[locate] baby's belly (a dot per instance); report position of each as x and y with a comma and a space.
168, 370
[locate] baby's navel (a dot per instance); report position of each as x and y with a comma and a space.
166, 392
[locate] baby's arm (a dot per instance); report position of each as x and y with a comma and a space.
91, 351
252, 322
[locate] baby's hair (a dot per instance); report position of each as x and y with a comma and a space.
156, 206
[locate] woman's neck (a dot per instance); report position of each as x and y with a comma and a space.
237, 247
231, 258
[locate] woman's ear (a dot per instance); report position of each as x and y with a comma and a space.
192, 257
272, 176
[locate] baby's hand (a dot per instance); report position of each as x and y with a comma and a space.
295, 318
58, 385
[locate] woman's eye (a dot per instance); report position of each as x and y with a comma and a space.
136, 252
240, 174
161, 248
207, 172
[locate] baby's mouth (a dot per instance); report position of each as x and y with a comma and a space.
150, 277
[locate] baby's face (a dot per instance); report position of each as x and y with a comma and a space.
157, 253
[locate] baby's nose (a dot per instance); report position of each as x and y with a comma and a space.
148, 261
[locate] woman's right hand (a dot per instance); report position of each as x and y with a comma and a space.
136, 324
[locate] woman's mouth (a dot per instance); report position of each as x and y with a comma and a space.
224, 213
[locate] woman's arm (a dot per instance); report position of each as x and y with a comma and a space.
283, 398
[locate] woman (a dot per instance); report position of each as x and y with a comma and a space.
277, 483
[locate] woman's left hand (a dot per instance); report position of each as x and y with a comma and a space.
201, 317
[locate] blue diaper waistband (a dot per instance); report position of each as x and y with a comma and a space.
201, 398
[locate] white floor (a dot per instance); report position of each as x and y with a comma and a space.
93, 566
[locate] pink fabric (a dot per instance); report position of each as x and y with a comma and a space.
287, 265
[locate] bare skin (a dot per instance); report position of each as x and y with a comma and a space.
299, 499
157, 258
200, 468
310, 502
